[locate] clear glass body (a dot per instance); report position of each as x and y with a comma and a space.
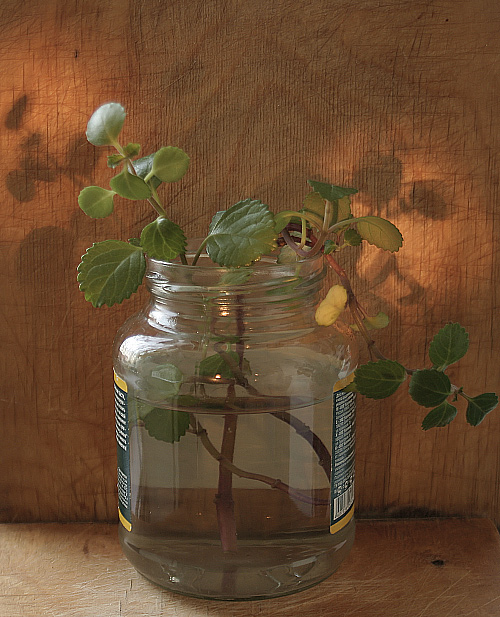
230, 384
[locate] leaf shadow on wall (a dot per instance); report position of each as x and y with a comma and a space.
379, 179
36, 165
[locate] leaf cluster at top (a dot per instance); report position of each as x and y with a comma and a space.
111, 270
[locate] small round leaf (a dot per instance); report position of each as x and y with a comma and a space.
479, 406
96, 202
377, 322
170, 164
129, 186
105, 124
168, 379
331, 192
114, 160
448, 346
132, 150
380, 232
352, 237
216, 365
166, 425
379, 379
242, 234
162, 239
287, 255
440, 416
313, 202
344, 208
429, 387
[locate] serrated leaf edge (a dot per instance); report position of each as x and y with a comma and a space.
97, 303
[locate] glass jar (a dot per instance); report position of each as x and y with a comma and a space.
224, 391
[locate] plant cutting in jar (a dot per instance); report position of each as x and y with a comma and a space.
203, 393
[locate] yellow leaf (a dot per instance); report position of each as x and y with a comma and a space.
330, 308
342, 383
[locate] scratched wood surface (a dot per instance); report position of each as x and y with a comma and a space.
396, 569
399, 99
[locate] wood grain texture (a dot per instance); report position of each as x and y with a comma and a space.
399, 99
396, 569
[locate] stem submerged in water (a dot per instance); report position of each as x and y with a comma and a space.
224, 502
295, 494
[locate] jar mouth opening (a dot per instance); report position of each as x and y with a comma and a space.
268, 261
208, 274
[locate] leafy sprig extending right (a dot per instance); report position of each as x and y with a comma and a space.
430, 387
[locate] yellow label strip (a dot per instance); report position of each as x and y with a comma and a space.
120, 383
123, 521
343, 522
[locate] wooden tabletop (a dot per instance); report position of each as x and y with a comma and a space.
410, 568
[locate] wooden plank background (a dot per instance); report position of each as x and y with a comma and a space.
398, 98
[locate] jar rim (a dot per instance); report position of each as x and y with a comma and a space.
207, 273
268, 260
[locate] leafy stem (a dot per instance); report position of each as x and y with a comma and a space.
285, 216
199, 251
110, 271
293, 245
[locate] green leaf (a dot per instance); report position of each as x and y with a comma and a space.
314, 203
429, 387
114, 160
215, 219
166, 425
440, 416
479, 406
110, 272
216, 365
344, 208
129, 152
132, 150
105, 124
236, 276
379, 379
137, 410
170, 164
448, 346
287, 255
331, 192
143, 167
162, 239
171, 379
379, 321
380, 232
330, 247
96, 202
129, 186
281, 220
241, 234
352, 237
